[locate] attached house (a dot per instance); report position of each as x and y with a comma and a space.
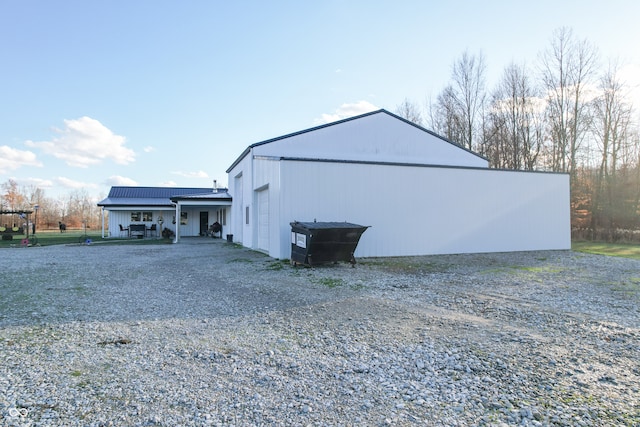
418, 192
147, 211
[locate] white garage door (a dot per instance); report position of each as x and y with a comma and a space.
263, 220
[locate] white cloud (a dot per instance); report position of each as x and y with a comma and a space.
168, 184
198, 174
36, 182
347, 110
149, 149
12, 159
84, 142
117, 180
70, 183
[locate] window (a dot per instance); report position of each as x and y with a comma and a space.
141, 216
183, 218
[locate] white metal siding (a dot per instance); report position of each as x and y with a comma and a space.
429, 210
117, 218
378, 138
123, 216
192, 227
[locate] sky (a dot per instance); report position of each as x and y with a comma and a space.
166, 93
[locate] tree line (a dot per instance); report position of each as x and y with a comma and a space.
567, 113
76, 210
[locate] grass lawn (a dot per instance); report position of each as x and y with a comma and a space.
48, 238
54, 237
611, 249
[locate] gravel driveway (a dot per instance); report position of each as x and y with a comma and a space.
208, 333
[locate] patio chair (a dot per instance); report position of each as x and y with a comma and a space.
123, 229
153, 230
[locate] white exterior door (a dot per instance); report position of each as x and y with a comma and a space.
263, 219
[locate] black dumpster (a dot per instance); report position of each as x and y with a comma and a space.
321, 242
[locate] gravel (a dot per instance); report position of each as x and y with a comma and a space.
206, 333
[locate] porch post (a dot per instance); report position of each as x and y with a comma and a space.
102, 217
177, 223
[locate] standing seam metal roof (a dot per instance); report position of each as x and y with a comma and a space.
158, 196
155, 192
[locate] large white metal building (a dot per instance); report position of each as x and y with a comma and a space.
419, 193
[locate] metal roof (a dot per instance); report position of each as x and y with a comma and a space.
154, 192
158, 196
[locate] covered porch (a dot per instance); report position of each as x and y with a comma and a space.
202, 215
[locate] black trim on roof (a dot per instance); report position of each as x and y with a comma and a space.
223, 197
129, 205
419, 165
348, 119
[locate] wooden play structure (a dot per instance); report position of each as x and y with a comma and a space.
17, 223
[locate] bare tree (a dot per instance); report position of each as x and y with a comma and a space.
514, 130
13, 199
79, 208
567, 69
444, 116
410, 111
458, 108
75, 209
611, 124
469, 84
